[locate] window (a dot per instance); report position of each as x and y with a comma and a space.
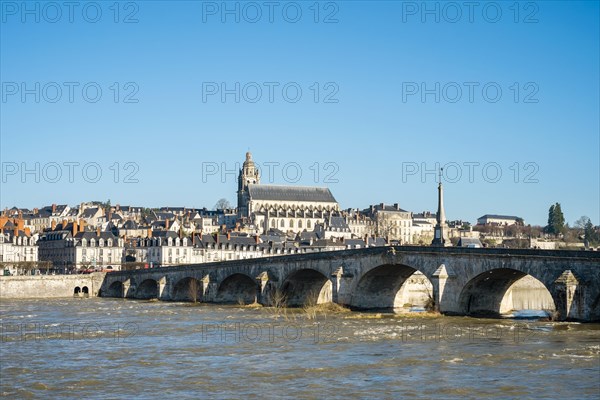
308, 224
291, 223
299, 223
282, 223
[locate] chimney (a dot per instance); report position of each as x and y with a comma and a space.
167, 223
53, 208
98, 231
64, 224
53, 225
20, 223
36, 211
396, 206
228, 236
82, 225
382, 205
257, 239
75, 228
16, 232
149, 232
193, 239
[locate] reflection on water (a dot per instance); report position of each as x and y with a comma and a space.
112, 348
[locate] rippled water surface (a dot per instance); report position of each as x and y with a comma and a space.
112, 348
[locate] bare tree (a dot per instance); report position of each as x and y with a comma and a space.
222, 204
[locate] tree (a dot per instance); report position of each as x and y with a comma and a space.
222, 204
556, 220
581, 222
591, 236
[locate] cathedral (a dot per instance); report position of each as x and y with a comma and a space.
287, 208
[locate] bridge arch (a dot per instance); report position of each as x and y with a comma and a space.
116, 289
392, 287
306, 287
501, 290
188, 289
237, 289
148, 289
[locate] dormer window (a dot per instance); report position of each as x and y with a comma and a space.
83, 243
92, 242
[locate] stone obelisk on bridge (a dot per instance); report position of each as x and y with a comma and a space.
440, 233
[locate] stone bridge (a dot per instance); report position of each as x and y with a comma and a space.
456, 281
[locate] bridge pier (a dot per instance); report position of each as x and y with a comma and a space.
163, 289
205, 282
126, 286
341, 283
263, 291
571, 298
440, 295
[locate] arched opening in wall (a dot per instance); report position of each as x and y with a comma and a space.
77, 291
85, 291
188, 289
506, 292
148, 289
393, 287
306, 287
237, 289
114, 290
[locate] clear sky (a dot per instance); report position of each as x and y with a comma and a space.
388, 89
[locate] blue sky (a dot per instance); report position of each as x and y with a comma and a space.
370, 129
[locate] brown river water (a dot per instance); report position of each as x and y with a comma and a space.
115, 348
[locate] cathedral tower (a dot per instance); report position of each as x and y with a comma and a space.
248, 175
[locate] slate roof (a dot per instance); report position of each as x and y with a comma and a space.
339, 223
130, 225
290, 193
386, 207
89, 212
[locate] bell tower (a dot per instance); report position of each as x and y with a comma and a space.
249, 175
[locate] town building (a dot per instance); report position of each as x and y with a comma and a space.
391, 222
500, 220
